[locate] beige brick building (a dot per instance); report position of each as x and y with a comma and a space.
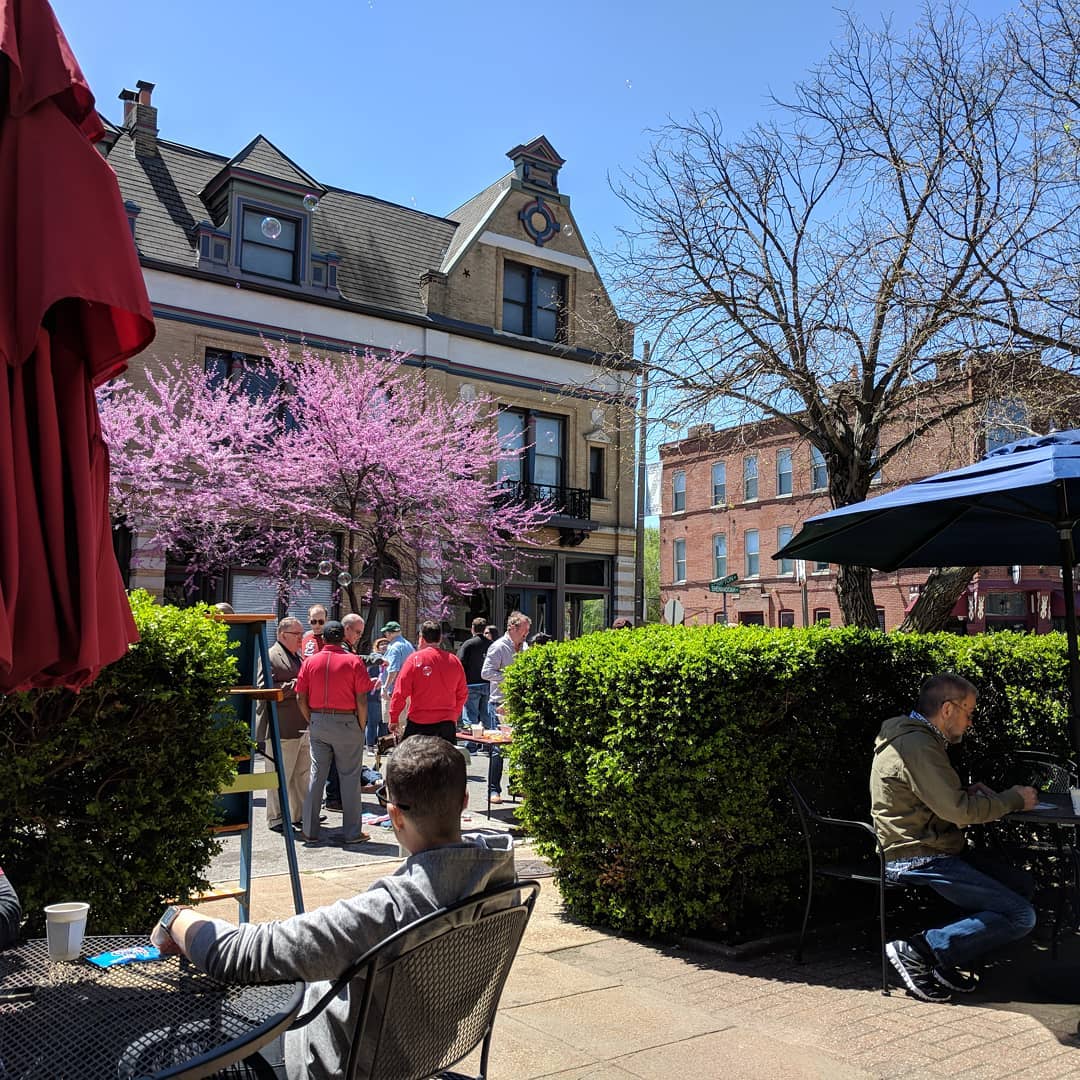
500, 297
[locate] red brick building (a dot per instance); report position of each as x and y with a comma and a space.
733, 497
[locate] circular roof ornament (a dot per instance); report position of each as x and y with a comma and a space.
539, 221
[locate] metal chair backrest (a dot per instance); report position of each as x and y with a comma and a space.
1045, 770
431, 990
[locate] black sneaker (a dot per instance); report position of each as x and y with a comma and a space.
918, 975
954, 979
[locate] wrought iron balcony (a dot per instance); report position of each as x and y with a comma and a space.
569, 505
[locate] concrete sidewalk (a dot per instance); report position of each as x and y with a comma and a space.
586, 1003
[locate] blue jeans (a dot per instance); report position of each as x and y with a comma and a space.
495, 775
994, 895
476, 704
375, 727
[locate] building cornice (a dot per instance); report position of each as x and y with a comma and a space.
468, 330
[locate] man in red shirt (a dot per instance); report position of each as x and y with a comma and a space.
332, 690
432, 681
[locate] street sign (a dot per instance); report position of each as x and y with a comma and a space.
725, 584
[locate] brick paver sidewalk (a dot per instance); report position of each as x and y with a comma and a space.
583, 1003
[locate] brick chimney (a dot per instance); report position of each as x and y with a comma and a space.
140, 118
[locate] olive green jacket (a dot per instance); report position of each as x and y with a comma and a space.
917, 801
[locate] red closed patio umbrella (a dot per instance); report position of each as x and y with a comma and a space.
73, 308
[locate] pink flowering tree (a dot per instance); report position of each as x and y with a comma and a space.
189, 461
405, 476
356, 447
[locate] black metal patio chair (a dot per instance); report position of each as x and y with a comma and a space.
864, 869
1044, 770
429, 992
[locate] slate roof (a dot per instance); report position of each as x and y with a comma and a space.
262, 156
471, 215
384, 248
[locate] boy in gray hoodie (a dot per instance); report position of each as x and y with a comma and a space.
424, 796
919, 808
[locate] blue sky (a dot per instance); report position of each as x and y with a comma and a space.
417, 101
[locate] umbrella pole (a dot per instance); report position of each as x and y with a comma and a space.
1067, 558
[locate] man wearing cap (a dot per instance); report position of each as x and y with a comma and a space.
331, 690
397, 652
432, 681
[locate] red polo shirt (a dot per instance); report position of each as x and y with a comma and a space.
432, 680
333, 679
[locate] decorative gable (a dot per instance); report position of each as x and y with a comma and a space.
260, 165
536, 164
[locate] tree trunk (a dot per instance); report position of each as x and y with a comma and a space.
933, 609
853, 587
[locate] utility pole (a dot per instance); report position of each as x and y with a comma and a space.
640, 600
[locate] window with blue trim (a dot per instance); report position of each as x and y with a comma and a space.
538, 441
264, 253
786, 567
752, 551
678, 550
251, 375
678, 492
534, 302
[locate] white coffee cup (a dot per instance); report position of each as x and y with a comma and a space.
1074, 795
65, 925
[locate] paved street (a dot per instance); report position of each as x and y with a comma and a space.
269, 848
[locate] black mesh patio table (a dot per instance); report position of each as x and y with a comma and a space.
160, 1018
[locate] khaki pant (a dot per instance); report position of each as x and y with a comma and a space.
296, 766
386, 714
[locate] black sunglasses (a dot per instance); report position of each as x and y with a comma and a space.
316, 622
384, 798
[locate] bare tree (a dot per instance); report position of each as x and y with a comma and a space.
849, 265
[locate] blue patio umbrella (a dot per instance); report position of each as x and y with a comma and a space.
1019, 505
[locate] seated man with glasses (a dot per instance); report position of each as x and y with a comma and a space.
920, 807
424, 795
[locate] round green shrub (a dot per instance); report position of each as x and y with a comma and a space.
108, 793
654, 761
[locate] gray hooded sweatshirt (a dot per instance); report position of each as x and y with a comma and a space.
318, 946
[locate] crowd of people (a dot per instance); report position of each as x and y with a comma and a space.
338, 702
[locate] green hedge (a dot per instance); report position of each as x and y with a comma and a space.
653, 761
107, 794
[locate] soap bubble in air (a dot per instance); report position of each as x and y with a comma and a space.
271, 228
344, 579
325, 567
311, 203
568, 230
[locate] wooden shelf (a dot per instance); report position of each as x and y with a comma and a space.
239, 620
259, 693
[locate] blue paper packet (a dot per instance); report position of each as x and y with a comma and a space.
133, 955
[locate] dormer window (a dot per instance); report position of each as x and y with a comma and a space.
269, 244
